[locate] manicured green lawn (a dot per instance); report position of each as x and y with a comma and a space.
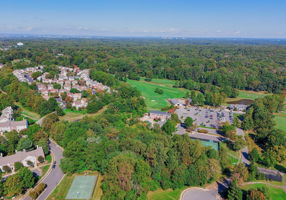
62, 189
165, 194
154, 100
275, 193
280, 122
250, 95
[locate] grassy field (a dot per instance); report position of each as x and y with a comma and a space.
280, 121
165, 194
250, 94
62, 189
154, 100
28, 113
275, 193
233, 156
73, 116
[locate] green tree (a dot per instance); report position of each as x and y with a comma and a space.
44, 144
49, 120
159, 91
24, 143
35, 75
169, 127
74, 90
234, 192
57, 86
254, 155
26, 177
13, 186
188, 122
18, 165
200, 99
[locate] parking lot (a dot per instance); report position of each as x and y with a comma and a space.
200, 194
207, 117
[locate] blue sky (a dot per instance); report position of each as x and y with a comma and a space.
185, 18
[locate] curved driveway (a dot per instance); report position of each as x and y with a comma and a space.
55, 175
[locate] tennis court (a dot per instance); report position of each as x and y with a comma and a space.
212, 144
82, 187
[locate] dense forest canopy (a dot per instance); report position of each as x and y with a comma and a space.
134, 157
243, 64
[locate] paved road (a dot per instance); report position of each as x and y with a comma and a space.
55, 174
244, 151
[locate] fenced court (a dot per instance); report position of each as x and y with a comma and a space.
82, 187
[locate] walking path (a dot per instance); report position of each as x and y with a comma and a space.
266, 183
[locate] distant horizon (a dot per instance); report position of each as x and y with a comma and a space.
160, 18
82, 36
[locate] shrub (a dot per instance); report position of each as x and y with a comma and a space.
37, 190
203, 131
41, 159
30, 163
159, 91
7, 169
18, 165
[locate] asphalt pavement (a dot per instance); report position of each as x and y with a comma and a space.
200, 194
54, 176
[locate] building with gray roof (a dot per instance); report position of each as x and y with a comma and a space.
23, 157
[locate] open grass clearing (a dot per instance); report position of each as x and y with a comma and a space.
168, 194
276, 193
76, 116
233, 156
247, 95
27, 113
154, 100
280, 121
243, 94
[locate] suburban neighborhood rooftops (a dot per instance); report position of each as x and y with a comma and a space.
20, 156
13, 124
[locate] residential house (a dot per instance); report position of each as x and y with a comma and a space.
13, 126
7, 114
178, 102
82, 103
156, 117
23, 157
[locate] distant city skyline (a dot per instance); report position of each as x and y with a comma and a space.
138, 18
